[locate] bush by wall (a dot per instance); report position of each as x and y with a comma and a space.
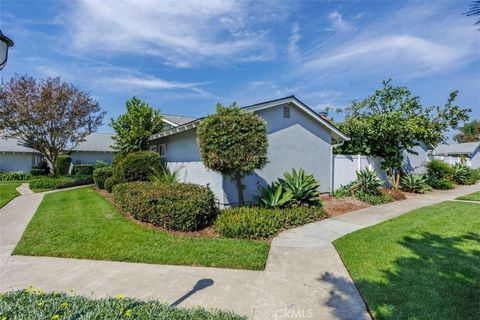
59, 182
41, 169
109, 183
15, 176
263, 223
63, 164
138, 166
465, 175
180, 206
35, 304
83, 169
100, 175
439, 174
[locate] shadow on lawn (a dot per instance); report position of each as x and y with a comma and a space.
441, 281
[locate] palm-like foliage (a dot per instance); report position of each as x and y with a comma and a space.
414, 183
469, 132
367, 182
303, 187
461, 173
164, 176
273, 196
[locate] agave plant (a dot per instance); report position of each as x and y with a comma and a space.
273, 196
414, 183
303, 187
367, 182
461, 173
164, 176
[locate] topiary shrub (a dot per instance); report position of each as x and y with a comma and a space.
100, 175
43, 182
62, 164
138, 166
109, 183
180, 206
439, 174
83, 169
263, 223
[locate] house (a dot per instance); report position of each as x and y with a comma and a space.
298, 138
456, 152
16, 157
96, 147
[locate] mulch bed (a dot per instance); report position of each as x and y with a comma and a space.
336, 206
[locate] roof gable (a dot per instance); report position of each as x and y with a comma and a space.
457, 148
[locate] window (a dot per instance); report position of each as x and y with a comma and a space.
153, 148
161, 150
286, 112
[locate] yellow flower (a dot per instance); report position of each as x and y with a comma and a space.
128, 313
65, 304
72, 290
120, 296
4, 318
55, 317
40, 304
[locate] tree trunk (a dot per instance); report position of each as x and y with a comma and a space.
238, 182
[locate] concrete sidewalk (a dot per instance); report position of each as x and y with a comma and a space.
304, 276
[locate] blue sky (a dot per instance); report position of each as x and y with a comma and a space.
183, 57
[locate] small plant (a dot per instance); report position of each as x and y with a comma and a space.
15, 176
273, 196
462, 174
62, 163
414, 183
302, 187
100, 175
367, 182
343, 191
164, 175
373, 199
439, 174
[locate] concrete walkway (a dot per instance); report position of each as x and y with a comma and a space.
304, 276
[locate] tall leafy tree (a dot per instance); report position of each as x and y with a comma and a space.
391, 120
47, 115
469, 132
136, 126
234, 143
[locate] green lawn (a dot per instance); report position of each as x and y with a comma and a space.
80, 223
8, 192
422, 265
472, 197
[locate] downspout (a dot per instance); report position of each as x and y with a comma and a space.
332, 162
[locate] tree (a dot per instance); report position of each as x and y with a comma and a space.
233, 142
392, 120
47, 115
136, 126
469, 132
474, 11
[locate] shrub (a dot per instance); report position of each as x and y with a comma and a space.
263, 223
439, 174
164, 176
62, 164
302, 187
180, 206
343, 191
414, 183
15, 176
83, 169
100, 164
372, 198
109, 183
273, 196
138, 166
367, 182
464, 175
394, 194
35, 304
59, 182
41, 169
100, 175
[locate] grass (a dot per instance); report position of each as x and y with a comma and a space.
422, 265
8, 191
35, 304
80, 223
471, 197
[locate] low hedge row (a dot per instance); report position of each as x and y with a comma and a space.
100, 175
263, 223
182, 206
59, 182
15, 176
83, 169
34, 304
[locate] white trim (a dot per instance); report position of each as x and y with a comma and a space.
169, 122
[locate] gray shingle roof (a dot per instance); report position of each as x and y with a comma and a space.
97, 142
457, 148
178, 120
11, 145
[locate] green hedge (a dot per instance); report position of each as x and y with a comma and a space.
83, 169
34, 304
137, 166
439, 175
15, 176
59, 182
100, 175
263, 223
62, 164
109, 183
181, 206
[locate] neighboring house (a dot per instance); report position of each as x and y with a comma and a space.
16, 157
455, 152
415, 162
298, 138
96, 147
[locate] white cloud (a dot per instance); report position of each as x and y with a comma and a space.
181, 33
337, 23
293, 40
148, 83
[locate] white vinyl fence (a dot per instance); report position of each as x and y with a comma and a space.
345, 168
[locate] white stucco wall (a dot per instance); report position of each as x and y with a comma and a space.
475, 159
91, 157
416, 162
16, 162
